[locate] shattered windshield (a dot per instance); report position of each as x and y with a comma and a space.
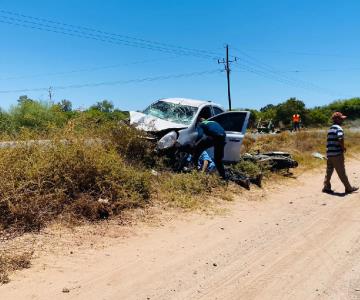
177, 113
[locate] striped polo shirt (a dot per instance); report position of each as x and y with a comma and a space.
335, 134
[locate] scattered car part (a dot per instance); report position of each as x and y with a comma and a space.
275, 160
318, 155
266, 126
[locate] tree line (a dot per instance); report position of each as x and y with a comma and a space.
43, 116
281, 114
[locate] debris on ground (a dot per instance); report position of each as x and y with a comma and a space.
318, 155
275, 160
103, 201
266, 126
243, 179
154, 173
249, 170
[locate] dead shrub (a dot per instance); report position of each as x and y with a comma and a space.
134, 145
248, 144
42, 182
10, 262
188, 190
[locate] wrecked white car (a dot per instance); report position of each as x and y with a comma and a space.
173, 121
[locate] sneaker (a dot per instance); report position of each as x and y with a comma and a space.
353, 189
327, 191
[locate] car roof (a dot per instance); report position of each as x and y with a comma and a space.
187, 101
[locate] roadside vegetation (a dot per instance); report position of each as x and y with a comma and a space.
10, 262
45, 118
88, 165
91, 166
301, 145
82, 165
315, 117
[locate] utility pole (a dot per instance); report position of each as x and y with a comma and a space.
50, 93
227, 62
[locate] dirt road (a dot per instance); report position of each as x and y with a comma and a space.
295, 243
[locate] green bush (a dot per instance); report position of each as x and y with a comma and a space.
318, 117
46, 117
36, 115
312, 117
249, 168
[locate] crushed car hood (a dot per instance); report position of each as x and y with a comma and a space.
152, 124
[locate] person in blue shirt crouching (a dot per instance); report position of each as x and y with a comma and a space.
205, 163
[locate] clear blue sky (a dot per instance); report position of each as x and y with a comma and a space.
320, 39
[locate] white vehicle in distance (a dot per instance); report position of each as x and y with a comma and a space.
174, 120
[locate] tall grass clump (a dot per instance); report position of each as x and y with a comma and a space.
134, 145
72, 176
10, 262
250, 168
188, 190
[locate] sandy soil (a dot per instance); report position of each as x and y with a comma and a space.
292, 243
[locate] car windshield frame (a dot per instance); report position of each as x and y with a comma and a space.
171, 112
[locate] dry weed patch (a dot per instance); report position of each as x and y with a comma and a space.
10, 262
301, 145
90, 181
189, 190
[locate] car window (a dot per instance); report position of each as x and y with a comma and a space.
205, 112
217, 110
177, 113
232, 121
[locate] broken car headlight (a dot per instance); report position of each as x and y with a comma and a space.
167, 141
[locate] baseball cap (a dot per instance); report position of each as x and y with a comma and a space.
338, 115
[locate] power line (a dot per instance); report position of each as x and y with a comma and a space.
87, 33
273, 77
319, 70
94, 69
279, 79
76, 33
253, 65
118, 82
107, 33
301, 53
267, 69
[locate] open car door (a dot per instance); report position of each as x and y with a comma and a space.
235, 124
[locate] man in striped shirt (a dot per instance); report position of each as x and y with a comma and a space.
335, 155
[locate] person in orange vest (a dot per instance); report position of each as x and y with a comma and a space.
296, 122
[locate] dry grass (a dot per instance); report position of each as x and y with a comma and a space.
301, 145
78, 179
187, 191
10, 262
